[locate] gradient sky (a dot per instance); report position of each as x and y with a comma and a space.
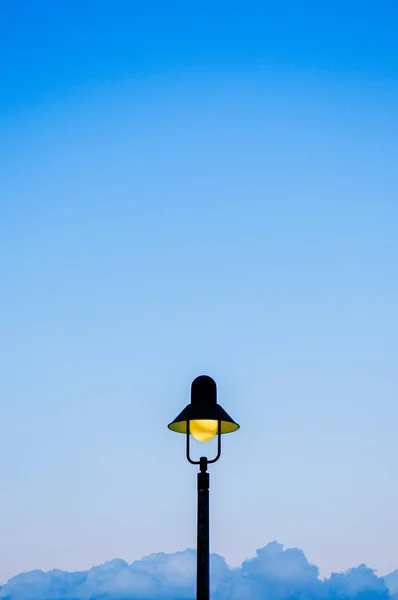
185, 189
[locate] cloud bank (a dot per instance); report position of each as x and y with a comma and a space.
274, 573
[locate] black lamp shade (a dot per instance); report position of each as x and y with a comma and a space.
203, 406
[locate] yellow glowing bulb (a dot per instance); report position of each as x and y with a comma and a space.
203, 430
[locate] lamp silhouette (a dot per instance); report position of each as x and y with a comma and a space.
203, 418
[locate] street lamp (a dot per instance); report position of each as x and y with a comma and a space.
203, 418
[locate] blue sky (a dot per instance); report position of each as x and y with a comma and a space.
187, 190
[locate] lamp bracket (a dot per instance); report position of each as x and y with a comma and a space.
203, 460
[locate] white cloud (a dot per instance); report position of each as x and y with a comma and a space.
274, 573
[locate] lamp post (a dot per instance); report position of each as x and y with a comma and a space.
203, 418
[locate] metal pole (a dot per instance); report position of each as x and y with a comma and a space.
203, 547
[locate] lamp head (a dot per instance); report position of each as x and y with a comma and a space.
203, 413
